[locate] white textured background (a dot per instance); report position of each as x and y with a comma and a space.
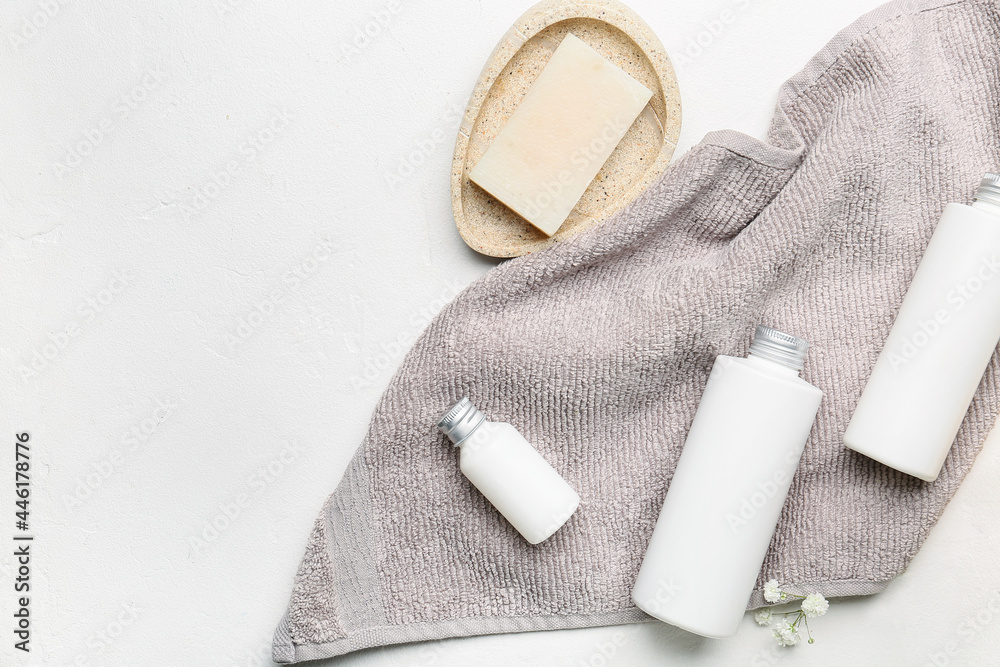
274, 199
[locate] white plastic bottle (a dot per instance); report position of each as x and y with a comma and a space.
939, 346
510, 472
724, 500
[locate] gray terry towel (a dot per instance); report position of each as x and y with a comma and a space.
598, 350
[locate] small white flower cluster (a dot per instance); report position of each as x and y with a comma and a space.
786, 632
773, 592
815, 605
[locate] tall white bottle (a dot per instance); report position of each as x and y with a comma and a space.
724, 500
510, 472
940, 343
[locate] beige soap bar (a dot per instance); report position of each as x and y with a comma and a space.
557, 139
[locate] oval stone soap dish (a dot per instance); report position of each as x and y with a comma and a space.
619, 35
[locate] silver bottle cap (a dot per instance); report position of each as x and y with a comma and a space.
989, 189
461, 420
778, 346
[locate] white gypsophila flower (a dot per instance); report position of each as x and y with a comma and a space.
772, 590
785, 634
764, 616
815, 605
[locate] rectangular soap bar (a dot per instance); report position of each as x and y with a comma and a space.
557, 139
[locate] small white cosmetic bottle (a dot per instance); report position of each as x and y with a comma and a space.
725, 498
939, 346
511, 473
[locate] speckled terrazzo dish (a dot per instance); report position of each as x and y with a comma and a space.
618, 34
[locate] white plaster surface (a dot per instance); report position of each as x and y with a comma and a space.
267, 308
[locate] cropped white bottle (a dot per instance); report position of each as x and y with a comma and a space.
511, 473
725, 498
939, 346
